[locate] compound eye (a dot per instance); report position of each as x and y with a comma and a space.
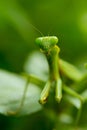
53, 40
40, 42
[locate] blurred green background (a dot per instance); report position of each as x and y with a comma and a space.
18, 22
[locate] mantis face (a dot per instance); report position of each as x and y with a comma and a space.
46, 43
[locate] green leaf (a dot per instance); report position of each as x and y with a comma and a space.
36, 64
66, 118
13, 12
85, 65
11, 92
84, 94
74, 101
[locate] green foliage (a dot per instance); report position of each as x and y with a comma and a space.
65, 19
11, 92
13, 86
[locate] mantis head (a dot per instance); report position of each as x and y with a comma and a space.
47, 42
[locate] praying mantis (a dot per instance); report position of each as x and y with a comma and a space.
51, 50
57, 67
48, 46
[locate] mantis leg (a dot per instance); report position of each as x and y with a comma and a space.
72, 93
58, 95
45, 92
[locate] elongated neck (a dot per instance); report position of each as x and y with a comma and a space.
52, 57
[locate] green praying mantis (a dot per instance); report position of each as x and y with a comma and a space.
48, 46
57, 67
51, 50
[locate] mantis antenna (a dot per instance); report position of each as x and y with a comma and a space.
37, 30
